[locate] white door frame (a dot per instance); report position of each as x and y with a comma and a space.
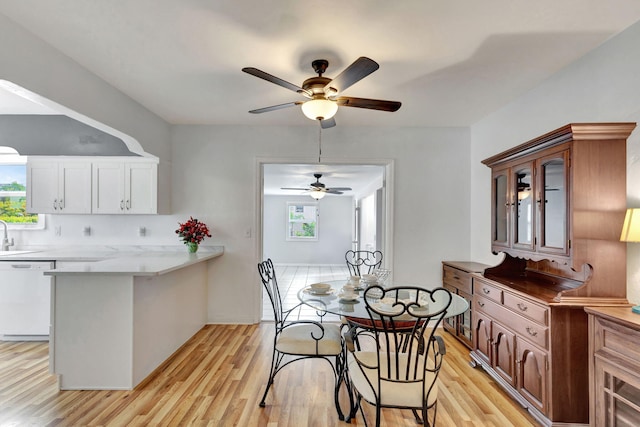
388, 188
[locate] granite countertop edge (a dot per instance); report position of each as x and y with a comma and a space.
117, 260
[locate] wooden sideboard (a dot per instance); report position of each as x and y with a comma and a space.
614, 366
558, 204
456, 277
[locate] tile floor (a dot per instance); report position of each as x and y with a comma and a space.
292, 278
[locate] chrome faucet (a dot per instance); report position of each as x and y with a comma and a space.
5, 239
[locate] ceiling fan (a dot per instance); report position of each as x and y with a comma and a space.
322, 92
318, 190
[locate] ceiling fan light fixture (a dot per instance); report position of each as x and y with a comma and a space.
320, 109
317, 194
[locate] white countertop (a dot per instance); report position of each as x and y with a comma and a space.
135, 261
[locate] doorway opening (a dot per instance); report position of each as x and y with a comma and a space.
357, 218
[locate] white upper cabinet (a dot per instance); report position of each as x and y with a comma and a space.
87, 185
62, 187
128, 187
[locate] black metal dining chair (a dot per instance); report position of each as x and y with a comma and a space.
363, 262
399, 367
300, 339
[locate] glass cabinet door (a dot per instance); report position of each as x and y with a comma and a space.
523, 220
552, 201
500, 208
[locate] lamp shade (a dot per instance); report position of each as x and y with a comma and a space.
317, 194
631, 226
320, 109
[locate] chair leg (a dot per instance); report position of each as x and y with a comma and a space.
340, 372
418, 419
435, 413
272, 374
357, 406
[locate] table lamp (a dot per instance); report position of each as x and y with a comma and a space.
631, 233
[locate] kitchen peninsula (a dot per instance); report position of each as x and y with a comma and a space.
116, 317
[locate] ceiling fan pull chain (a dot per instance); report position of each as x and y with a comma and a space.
319, 144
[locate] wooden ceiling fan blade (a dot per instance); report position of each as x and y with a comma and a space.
274, 107
372, 104
355, 72
328, 123
276, 80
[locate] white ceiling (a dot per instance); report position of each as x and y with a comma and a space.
449, 62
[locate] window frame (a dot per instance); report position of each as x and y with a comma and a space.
12, 160
290, 221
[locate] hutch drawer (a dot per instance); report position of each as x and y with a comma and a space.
457, 278
488, 291
524, 307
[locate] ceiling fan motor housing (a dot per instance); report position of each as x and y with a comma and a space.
320, 66
316, 86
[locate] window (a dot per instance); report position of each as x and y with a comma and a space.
13, 193
302, 221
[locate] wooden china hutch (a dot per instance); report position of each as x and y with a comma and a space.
557, 205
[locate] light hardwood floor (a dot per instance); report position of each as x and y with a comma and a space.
217, 379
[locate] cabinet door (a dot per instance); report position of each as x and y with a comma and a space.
523, 212
504, 353
42, 187
532, 373
482, 336
617, 394
74, 187
465, 322
500, 208
450, 324
108, 188
141, 188
552, 200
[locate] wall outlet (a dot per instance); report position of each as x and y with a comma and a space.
142, 231
58, 230
247, 233
86, 231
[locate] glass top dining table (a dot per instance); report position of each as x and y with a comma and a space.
332, 303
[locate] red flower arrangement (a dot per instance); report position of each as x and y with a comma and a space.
193, 231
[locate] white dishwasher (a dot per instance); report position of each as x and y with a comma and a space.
25, 300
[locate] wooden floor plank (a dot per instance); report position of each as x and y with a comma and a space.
217, 379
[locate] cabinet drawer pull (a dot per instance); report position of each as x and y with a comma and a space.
522, 307
486, 291
55, 204
480, 303
121, 205
532, 332
456, 277
60, 204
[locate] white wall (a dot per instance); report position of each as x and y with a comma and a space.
335, 216
603, 86
215, 171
